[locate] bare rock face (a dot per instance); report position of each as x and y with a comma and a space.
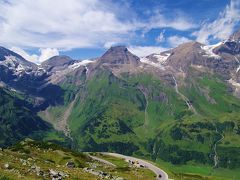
228, 47
184, 55
119, 55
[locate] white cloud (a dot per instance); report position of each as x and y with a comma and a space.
63, 24
145, 50
223, 26
174, 41
25, 55
161, 37
45, 53
179, 22
68, 24
109, 44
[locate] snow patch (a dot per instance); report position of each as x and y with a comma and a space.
238, 63
80, 63
147, 61
234, 83
20, 68
13, 63
40, 71
160, 58
10, 61
86, 68
209, 50
199, 67
2, 84
238, 69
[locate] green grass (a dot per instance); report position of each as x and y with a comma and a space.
109, 115
50, 156
196, 170
116, 161
18, 120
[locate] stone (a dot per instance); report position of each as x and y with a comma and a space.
70, 164
40, 173
62, 174
119, 178
6, 166
38, 170
52, 172
57, 175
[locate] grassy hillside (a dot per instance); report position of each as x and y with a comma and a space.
191, 143
18, 121
141, 115
38, 160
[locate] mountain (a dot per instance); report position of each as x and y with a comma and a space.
20, 101
119, 55
18, 120
57, 63
13, 58
180, 106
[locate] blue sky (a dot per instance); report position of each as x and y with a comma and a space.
85, 29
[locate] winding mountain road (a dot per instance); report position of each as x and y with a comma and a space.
161, 175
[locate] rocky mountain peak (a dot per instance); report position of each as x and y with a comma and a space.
14, 58
118, 48
119, 55
6, 52
183, 55
57, 63
230, 46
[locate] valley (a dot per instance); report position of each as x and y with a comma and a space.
179, 109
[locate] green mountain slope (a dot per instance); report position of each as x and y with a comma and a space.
142, 115
18, 120
40, 160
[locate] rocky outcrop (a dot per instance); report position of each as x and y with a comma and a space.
119, 55
57, 63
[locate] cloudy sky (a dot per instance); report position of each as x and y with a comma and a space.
83, 29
